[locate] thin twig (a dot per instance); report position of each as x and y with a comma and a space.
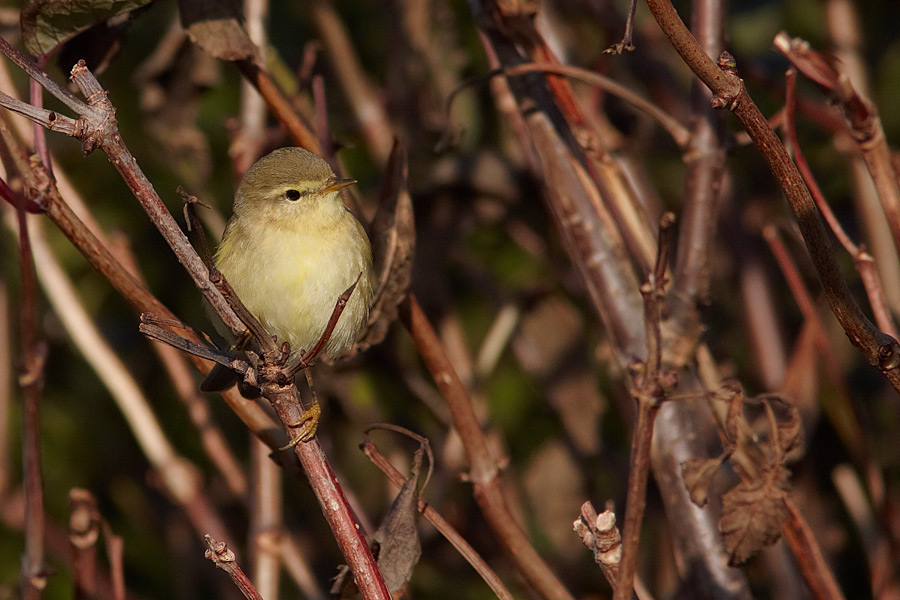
84, 532
809, 555
33, 572
864, 262
224, 558
649, 387
308, 358
673, 127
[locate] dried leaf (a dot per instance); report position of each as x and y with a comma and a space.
393, 235
48, 23
753, 514
398, 548
788, 431
215, 26
698, 474
733, 393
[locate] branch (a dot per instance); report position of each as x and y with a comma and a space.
879, 349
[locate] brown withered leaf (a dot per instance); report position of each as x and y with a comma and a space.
733, 393
753, 514
787, 430
48, 23
216, 27
393, 235
395, 545
398, 548
698, 474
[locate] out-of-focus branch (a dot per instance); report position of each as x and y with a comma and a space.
673, 126
705, 165
84, 532
179, 476
586, 226
266, 524
809, 555
358, 90
483, 471
32, 573
879, 349
279, 105
649, 386
840, 411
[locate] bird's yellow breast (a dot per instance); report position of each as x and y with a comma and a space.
290, 270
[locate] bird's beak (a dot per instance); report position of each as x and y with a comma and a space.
336, 184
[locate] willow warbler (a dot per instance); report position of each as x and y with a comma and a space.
292, 248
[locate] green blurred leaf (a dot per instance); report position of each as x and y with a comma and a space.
48, 23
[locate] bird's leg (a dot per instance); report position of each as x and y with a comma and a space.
309, 420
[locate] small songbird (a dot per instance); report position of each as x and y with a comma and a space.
292, 248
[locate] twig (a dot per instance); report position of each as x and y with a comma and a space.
203, 351
809, 555
673, 127
704, 158
298, 568
33, 575
84, 532
359, 92
600, 534
225, 559
840, 412
864, 262
627, 42
279, 105
308, 358
872, 535
649, 387
115, 547
266, 520
862, 116
879, 349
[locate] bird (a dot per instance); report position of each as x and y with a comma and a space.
291, 248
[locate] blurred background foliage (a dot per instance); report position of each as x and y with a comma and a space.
486, 252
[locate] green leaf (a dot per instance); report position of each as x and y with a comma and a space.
48, 23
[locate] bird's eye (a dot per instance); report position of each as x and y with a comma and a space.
292, 195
